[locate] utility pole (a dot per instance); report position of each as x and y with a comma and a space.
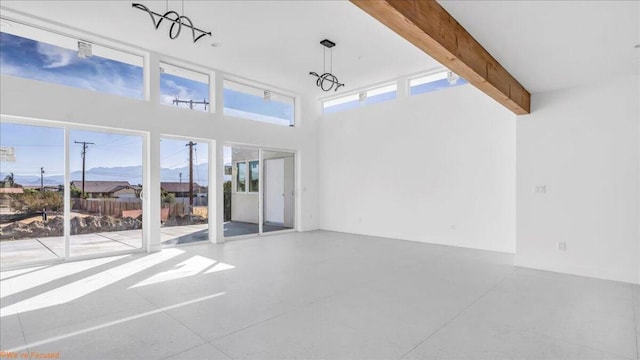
191, 144
191, 103
42, 180
180, 178
85, 145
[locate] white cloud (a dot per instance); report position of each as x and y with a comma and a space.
56, 57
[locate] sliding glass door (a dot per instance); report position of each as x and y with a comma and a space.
259, 191
241, 191
184, 186
101, 213
106, 182
31, 194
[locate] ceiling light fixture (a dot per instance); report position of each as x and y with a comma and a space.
327, 80
177, 21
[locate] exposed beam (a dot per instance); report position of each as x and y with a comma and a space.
427, 25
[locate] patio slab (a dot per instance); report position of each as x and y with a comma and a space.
19, 251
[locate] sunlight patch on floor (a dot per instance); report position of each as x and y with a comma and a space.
193, 266
80, 288
36, 278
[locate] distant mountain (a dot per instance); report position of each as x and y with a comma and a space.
132, 174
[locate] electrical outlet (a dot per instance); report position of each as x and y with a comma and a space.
562, 245
540, 189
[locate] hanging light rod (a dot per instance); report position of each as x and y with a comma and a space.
327, 80
176, 24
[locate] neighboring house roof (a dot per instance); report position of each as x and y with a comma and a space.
121, 187
101, 186
176, 187
13, 190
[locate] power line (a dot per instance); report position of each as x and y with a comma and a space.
175, 153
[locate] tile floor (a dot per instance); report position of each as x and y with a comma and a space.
315, 295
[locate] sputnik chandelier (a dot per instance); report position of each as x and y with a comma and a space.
177, 21
327, 80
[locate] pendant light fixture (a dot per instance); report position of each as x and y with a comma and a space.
177, 21
327, 80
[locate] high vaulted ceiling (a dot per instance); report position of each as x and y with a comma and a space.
549, 45
545, 45
274, 42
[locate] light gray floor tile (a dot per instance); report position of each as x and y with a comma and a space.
201, 352
151, 337
317, 295
228, 313
306, 334
469, 339
588, 312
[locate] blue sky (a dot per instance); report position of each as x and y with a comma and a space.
35, 147
172, 87
174, 154
39, 61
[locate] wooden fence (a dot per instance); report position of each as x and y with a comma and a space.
131, 208
104, 207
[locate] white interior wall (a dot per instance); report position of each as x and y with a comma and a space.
289, 192
583, 145
245, 207
436, 167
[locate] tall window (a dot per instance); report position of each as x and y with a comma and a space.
263, 105
241, 182
254, 176
184, 88
36, 54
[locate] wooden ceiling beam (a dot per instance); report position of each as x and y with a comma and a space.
427, 25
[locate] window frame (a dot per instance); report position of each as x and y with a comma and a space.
259, 88
103, 45
361, 97
249, 188
247, 164
437, 75
211, 108
237, 176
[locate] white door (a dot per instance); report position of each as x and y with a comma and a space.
274, 191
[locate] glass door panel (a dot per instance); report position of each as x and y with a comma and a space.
241, 191
106, 181
31, 194
184, 186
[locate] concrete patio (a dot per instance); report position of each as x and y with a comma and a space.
17, 252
